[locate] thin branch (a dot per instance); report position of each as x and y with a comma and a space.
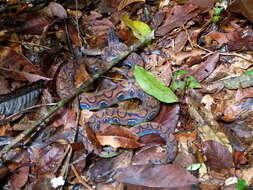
80, 179
76, 92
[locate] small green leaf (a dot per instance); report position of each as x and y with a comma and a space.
192, 82
177, 85
249, 72
194, 167
216, 18
154, 87
177, 74
218, 10
241, 184
140, 29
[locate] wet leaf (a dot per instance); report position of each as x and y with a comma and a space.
167, 176
140, 29
154, 87
21, 98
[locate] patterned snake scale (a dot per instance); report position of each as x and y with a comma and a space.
125, 90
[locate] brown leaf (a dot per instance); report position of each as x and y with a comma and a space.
150, 154
244, 7
74, 36
239, 39
20, 177
50, 158
32, 23
55, 10
117, 141
168, 116
203, 5
206, 67
243, 93
176, 17
124, 3
218, 156
114, 130
21, 75
168, 175
10, 59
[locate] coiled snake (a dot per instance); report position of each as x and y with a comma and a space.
101, 101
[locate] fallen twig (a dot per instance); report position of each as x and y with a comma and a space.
76, 92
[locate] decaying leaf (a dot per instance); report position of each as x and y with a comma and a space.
204, 118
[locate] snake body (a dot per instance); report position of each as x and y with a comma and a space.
102, 102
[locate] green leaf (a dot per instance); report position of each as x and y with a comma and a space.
249, 72
140, 29
241, 184
154, 87
192, 82
178, 83
217, 11
194, 167
216, 18
177, 74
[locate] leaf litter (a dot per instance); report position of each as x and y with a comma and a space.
199, 64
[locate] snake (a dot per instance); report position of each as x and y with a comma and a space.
103, 100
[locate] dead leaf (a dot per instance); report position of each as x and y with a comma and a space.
243, 93
168, 176
49, 159
203, 5
168, 117
32, 23
243, 7
218, 156
20, 177
124, 3
117, 141
55, 10
176, 17
114, 130
10, 59
206, 67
